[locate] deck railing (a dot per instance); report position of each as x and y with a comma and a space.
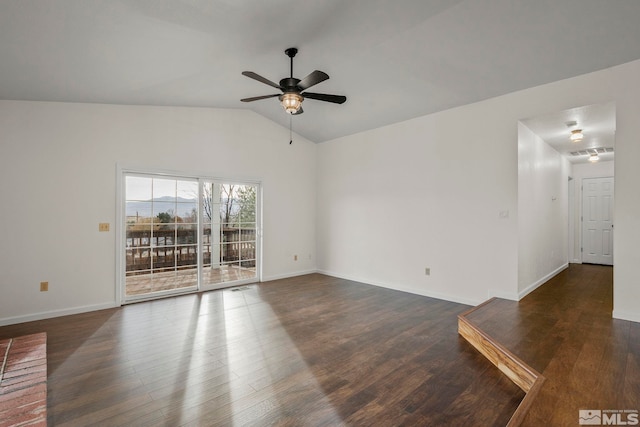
170, 249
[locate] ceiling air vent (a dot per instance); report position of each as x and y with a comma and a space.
599, 150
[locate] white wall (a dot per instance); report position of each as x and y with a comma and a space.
391, 201
428, 193
57, 182
626, 285
423, 193
543, 206
579, 171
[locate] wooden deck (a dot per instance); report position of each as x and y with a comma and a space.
157, 282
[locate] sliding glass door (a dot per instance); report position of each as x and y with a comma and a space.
186, 234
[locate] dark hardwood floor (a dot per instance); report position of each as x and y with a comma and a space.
320, 351
564, 330
306, 351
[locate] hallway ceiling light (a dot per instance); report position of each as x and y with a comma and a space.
576, 135
593, 157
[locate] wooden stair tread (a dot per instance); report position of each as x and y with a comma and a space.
523, 375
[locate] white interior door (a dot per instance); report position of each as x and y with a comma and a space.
597, 220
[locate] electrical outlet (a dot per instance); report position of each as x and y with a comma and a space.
427, 271
103, 226
44, 286
295, 257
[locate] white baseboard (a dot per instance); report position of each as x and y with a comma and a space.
540, 282
55, 313
287, 275
501, 294
626, 315
396, 287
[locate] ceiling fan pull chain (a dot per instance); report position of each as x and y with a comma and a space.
290, 130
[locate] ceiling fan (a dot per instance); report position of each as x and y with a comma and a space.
293, 89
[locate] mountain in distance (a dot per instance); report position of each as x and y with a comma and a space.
147, 208
178, 205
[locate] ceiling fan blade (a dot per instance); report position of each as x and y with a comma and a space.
257, 98
336, 99
312, 79
261, 79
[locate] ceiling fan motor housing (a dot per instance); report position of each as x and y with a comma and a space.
290, 84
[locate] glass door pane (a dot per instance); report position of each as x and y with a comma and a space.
229, 232
161, 221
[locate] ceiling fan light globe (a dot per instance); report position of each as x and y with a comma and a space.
291, 102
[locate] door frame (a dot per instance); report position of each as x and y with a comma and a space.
120, 255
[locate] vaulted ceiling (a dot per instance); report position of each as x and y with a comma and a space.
394, 60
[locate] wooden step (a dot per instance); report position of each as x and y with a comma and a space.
524, 376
